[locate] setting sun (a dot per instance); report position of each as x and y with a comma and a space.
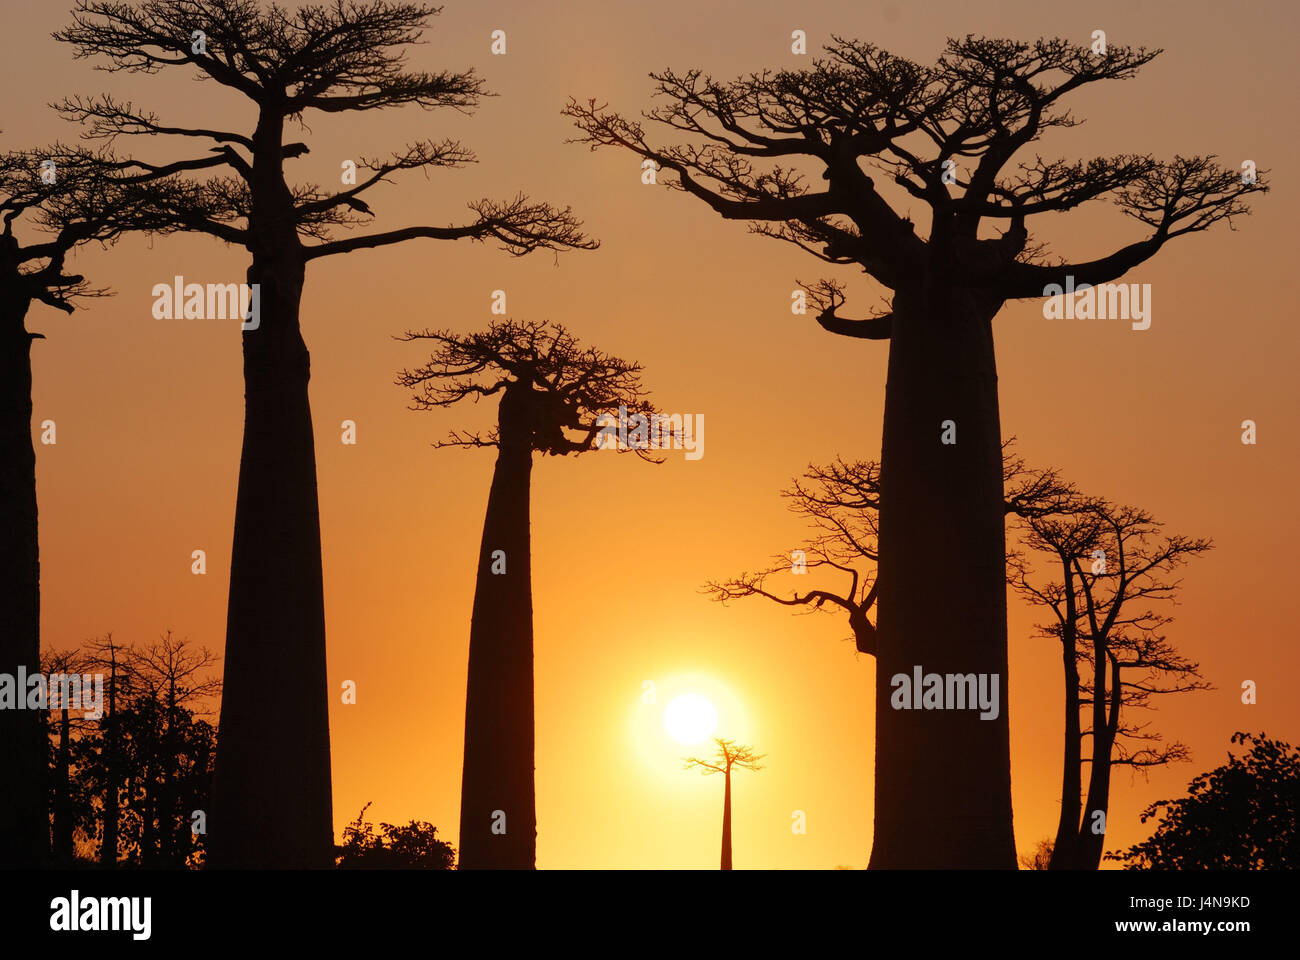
690, 718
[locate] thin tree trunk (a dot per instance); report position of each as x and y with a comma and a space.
271, 804
112, 758
943, 777
1092, 844
1065, 846
24, 764
63, 792
498, 815
726, 823
167, 783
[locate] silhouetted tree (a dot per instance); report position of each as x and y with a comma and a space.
841, 501
1040, 859
945, 137
67, 721
131, 778
556, 398
170, 679
65, 197
105, 655
272, 805
1244, 815
413, 847
730, 754
1111, 562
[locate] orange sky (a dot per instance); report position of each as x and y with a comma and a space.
149, 415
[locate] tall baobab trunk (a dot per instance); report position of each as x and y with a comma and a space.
726, 822
23, 759
498, 811
943, 780
1065, 847
1092, 832
271, 802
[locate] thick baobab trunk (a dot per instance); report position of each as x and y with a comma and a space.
271, 803
498, 815
23, 762
943, 777
1065, 846
726, 824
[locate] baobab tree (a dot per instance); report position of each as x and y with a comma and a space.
730, 754
1108, 564
881, 131
52, 201
557, 398
272, 804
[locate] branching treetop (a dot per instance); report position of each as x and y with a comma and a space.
730, 754
571, 391
1108, 597
70, 196
343, 56
948, 134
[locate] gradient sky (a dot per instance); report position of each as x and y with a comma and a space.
149, 416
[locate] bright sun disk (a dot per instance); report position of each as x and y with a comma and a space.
690, 718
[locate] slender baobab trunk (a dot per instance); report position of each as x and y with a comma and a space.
271, 802
23, 760
498, 814
943, 777
726, 823
1092, 835
1065, 847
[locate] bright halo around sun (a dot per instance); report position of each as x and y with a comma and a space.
690, 718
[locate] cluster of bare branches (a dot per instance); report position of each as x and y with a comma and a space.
336, 58
575, 390
948, 135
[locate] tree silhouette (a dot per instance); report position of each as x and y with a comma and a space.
841, 502
169, 679
130, 780
66, 720
66, 197
272, 805
1244, 815
556, 398
106, 655
730, 754
1040, 859
945, 137
1109, 559
413, 847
